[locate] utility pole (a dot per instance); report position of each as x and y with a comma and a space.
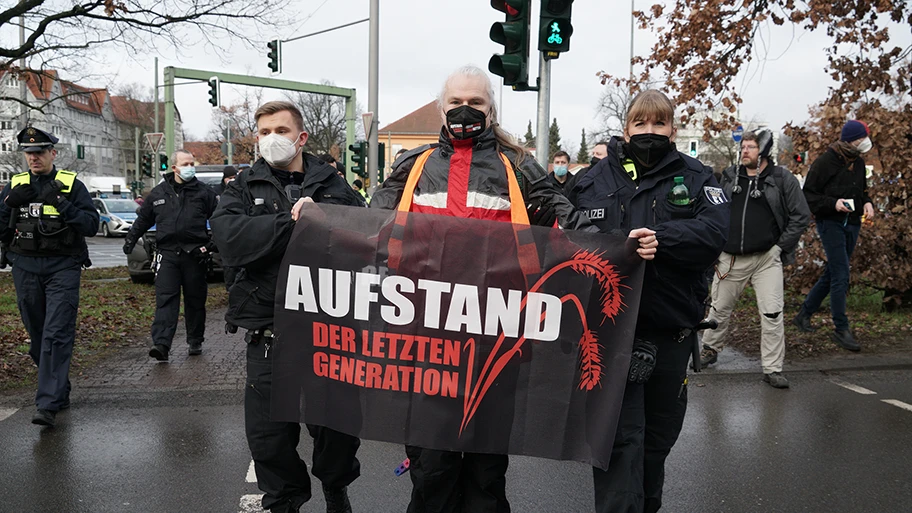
372, 93
155, 153
23, 91
137, 171
542, 142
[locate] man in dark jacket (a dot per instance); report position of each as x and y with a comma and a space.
252, 227
673, 205
179, 208
45, 215
769, 214
835, 189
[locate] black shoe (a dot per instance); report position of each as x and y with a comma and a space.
196, 348
44, 418
66, 404
708, 356
845, 340
159, 352
803, 323
776, 380
336, 500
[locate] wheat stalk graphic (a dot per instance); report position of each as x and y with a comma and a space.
612, 302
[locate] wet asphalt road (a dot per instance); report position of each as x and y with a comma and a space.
106, 252
819, 447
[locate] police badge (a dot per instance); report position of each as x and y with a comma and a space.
35, 210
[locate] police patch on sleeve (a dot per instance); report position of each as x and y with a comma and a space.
715, 195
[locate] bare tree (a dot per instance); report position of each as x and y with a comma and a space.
324, 119
239, 118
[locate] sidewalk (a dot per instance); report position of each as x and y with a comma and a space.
220, 367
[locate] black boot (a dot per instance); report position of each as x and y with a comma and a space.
803, 322
336, 500
159, 352
845, 340
46, 418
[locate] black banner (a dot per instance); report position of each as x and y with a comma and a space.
455, 334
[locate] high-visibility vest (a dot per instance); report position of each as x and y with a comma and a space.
68, 178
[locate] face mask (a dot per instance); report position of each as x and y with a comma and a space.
593, 161
464, 122
278, 150
649, 149
865, 145
560, 170
186, 173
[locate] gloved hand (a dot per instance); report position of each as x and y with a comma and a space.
21, 195
50, 194
541, 215
642, 361
203, 253
129, 244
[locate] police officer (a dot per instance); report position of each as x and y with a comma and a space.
180, 208
45, 215
674, 206
252, 227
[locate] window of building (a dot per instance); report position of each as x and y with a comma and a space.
6, 125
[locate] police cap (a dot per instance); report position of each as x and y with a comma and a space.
33, 140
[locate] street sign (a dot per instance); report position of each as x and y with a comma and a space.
737, 133
155, 139
367, 118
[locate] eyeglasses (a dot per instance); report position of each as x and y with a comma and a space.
750, 147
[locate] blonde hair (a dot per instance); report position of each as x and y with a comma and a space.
650, 105
504, 140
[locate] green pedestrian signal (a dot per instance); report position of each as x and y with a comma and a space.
214, 96
163, 161
513, 34
359, 156
555, 32
275, 55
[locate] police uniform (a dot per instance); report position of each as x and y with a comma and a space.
617, 199
44, 220
252, 227
180, 213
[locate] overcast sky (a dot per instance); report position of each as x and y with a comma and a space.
421, 41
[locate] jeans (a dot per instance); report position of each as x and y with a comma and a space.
838, 243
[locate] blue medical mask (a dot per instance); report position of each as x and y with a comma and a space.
186, 173
560, 170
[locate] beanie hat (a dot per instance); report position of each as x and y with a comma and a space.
229, 172
854, 130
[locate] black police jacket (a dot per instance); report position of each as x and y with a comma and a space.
690, 237
180, 218
252, 226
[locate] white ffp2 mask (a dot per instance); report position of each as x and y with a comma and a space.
278, 150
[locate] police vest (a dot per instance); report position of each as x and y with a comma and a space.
40, 230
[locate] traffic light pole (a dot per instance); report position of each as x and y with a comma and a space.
542, 144
372, 94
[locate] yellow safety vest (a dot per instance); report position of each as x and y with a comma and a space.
68, 178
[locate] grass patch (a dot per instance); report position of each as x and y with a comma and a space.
876, 329
112, 314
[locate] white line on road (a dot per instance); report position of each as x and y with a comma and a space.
5, 413
898, 404
251, 504
251, 473
853, 388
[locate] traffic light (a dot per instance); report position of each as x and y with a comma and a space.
800, 158
214, 96
80, 151
275, 55
555, 28
359, 155
513, 34
693, 149
146, 167
163, 161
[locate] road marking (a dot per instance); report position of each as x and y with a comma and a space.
251, 504
251, 473
853, 388
7, 412
898, 404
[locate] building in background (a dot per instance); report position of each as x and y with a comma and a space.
415, 129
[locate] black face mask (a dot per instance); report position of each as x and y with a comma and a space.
593, 161
648, 150
464, 122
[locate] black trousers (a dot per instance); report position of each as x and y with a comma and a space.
176, 271
455, 482
652, 415
281, 473
48, 304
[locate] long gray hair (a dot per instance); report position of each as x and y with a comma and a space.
504, 140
